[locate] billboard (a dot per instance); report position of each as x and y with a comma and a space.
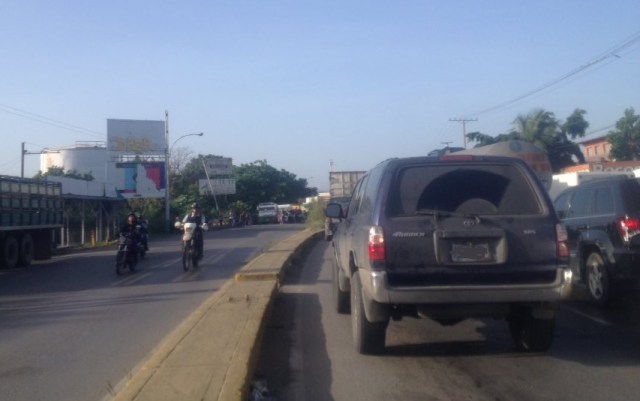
136, 137
218, 165
140, 179
220, 186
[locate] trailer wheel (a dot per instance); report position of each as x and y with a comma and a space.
26, 250
10, 252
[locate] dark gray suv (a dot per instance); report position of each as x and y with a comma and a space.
602, 218
450, 238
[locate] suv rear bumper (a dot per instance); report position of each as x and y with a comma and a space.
375, 286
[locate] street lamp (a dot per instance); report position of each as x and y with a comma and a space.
167, 196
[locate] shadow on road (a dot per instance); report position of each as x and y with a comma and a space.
294, 359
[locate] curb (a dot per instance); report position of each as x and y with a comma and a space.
213, 353
243, 366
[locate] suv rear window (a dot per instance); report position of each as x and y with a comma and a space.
499, 189
632, 196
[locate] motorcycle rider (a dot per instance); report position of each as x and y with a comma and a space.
144, 231
131, 228
196, 216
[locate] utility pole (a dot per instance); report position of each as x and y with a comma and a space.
24, 152
22, 161
464, 127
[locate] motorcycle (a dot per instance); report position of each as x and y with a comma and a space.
191, 255
143, 228
141, 246
126, 258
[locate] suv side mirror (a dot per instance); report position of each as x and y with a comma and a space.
333, 210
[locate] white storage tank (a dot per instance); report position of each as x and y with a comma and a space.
83, 158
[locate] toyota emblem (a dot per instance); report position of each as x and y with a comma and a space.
469, 223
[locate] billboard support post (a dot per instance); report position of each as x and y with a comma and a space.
167, 212
209, 182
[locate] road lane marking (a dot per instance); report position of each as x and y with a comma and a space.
588, 316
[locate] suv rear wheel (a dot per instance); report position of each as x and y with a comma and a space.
529, 333
368, 337
598, 281
340, 298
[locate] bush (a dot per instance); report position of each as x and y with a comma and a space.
315, 218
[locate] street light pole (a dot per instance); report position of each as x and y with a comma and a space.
167, 197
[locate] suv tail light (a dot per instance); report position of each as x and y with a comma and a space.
628, 228
376, 244
562, 242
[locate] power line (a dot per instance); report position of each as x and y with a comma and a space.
613, 54
8, 164
597, 131
49, 121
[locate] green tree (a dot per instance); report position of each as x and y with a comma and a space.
562, 151
259, 182
255, 182
185, 181
179, 158
184, 190
542, 129
56, 171
576, 126
539, 127
625, 139
483, 139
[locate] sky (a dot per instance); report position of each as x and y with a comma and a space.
310, 86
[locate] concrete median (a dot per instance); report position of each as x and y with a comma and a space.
213, 353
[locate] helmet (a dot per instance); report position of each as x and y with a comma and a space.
195, 205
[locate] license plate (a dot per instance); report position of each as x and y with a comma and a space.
466, 252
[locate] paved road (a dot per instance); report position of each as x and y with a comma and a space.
308, 355
70, 329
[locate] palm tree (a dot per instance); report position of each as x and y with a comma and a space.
542, 129
538, 127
